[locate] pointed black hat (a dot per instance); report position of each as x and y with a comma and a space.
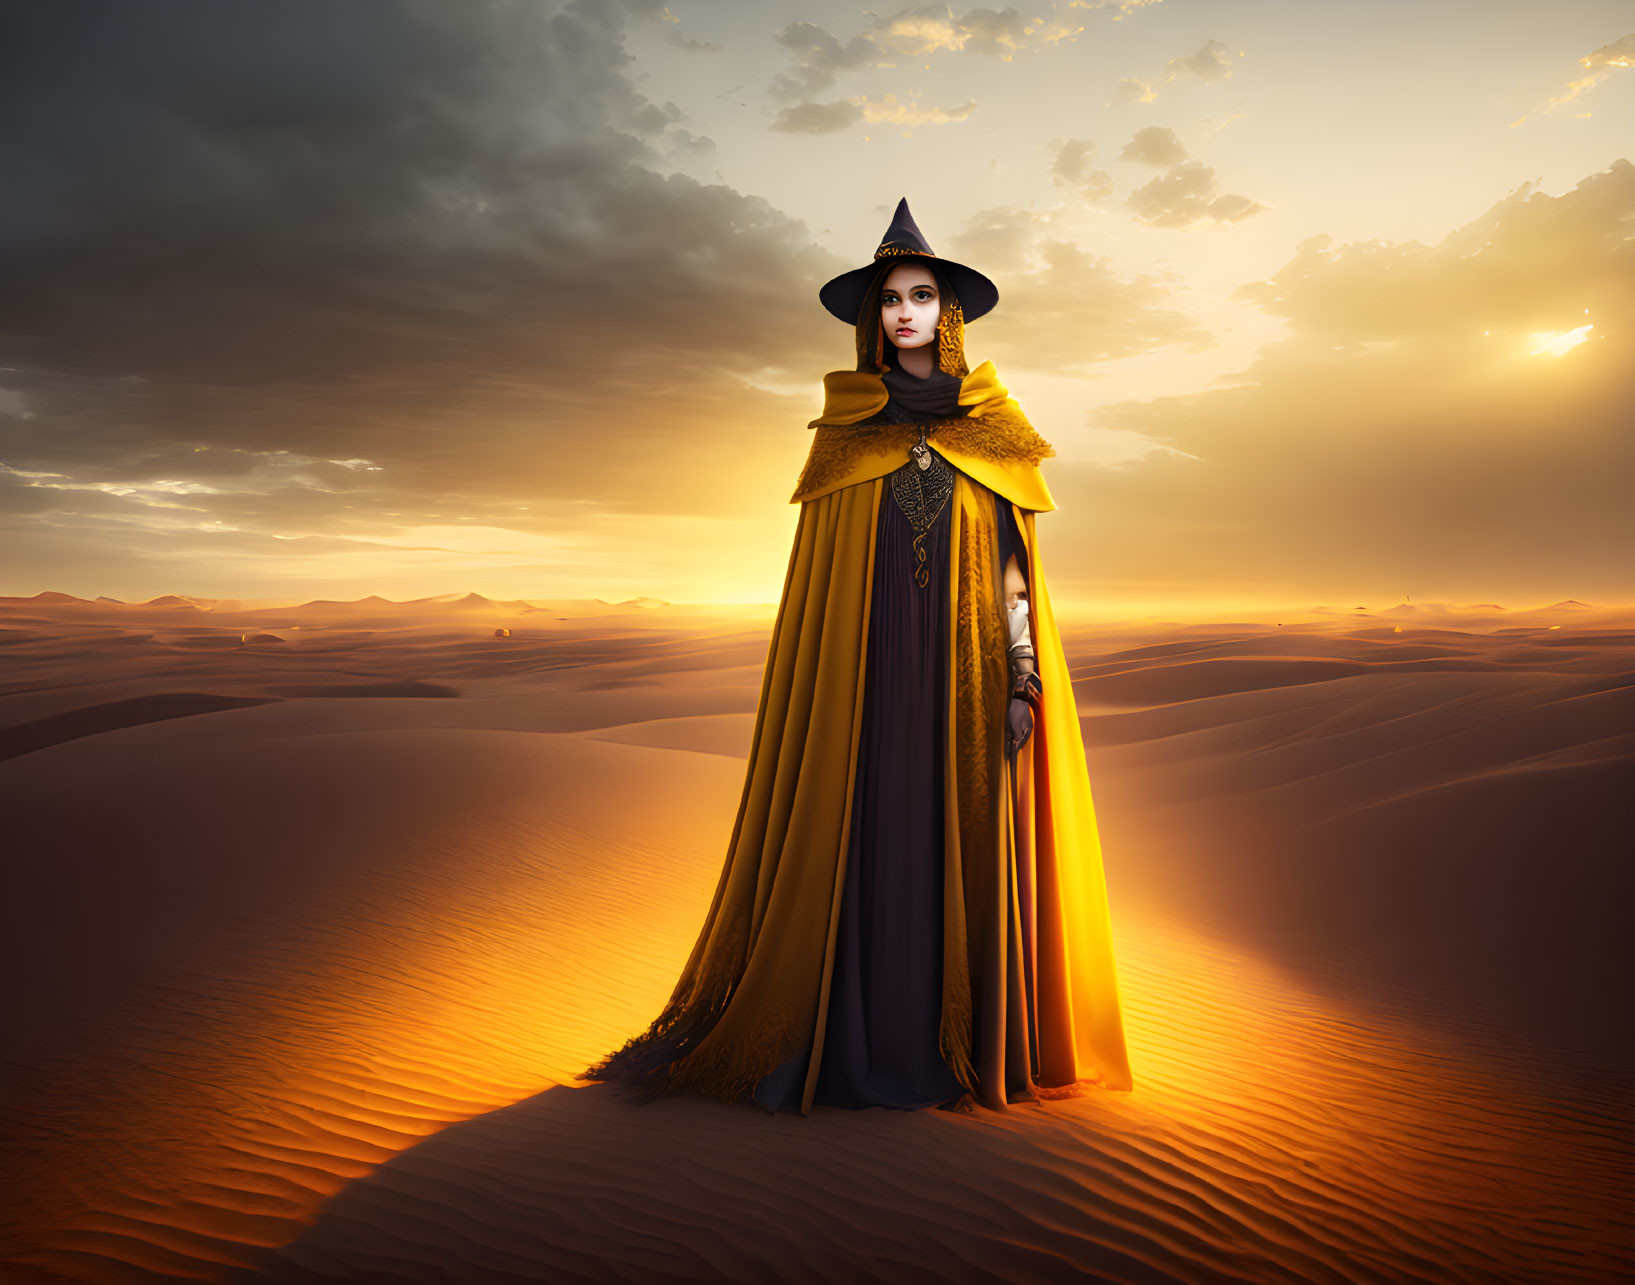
844, 295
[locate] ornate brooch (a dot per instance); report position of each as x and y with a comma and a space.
921, 488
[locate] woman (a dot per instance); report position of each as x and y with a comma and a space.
912, 911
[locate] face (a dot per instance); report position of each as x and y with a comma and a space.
909, 305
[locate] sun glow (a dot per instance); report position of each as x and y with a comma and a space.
1558, 343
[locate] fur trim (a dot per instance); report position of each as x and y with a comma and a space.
1001, 434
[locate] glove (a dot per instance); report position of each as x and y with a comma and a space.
1019, 724
1026, 692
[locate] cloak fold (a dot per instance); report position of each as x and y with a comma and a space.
1030, 999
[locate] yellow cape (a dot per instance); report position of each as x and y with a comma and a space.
1022, 856
992, 442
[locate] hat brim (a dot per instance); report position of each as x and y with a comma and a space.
843, 295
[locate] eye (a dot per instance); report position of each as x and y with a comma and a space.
923, 294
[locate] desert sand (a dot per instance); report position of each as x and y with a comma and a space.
313, 912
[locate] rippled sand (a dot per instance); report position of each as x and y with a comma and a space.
296, 974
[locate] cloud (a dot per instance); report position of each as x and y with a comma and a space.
890, 110
1532, 262
1600, 64
438, 239
1062, 309
1210, 63
1154, 145
819, 58
1123, 8
14, 404
692, 46
1185, 194
1132, 89
1410, 434
935, 29
1072, 169
818, 118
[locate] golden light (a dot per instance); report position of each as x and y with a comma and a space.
1559, 342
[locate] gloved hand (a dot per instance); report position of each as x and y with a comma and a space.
1019, 724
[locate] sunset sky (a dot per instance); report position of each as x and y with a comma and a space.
1317, 303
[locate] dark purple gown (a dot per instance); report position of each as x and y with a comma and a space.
885, 996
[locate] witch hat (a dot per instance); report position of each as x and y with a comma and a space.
843, 296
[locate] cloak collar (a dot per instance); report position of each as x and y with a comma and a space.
990, 440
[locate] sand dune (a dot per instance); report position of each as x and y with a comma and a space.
1231, 1163
294, 982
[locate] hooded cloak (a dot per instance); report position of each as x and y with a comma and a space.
1029, 999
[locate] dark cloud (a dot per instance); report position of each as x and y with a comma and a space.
693, 46
819, 58
436, 237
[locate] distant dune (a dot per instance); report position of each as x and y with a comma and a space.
305, 940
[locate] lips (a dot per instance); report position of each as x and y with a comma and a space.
905, 330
